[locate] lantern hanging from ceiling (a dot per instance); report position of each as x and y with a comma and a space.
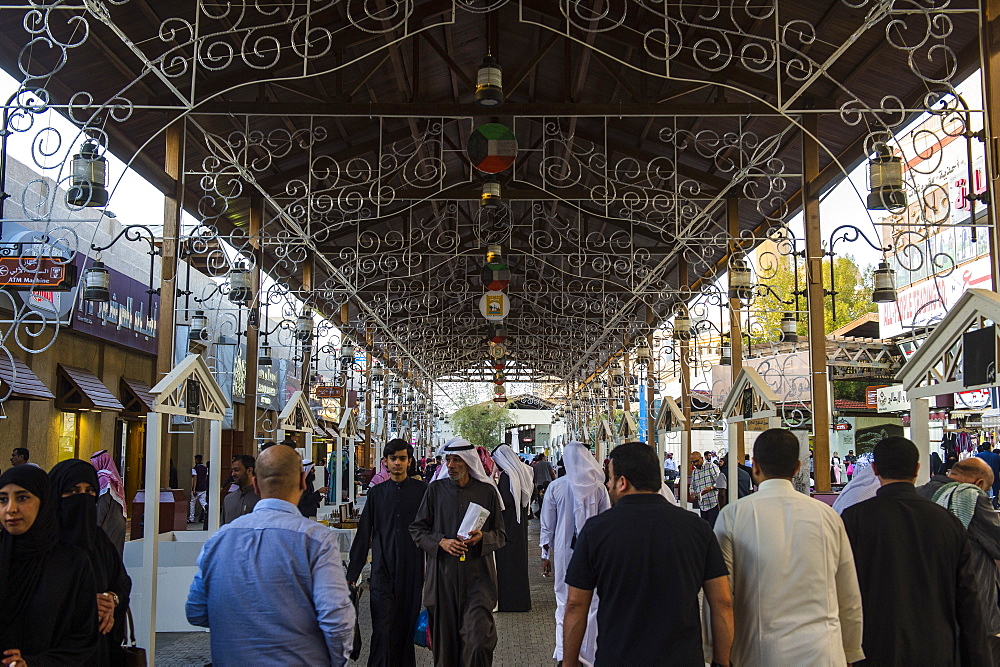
97, 283
885, 284
740, 279
89, 177
789, 329
489, 83
885, 177
239, 284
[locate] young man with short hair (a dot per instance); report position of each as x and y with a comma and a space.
241, 501
814, 620
647, 560
199, 487
397, 573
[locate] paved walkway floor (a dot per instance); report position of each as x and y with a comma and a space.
526, 639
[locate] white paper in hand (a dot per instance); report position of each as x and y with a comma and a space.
475, 518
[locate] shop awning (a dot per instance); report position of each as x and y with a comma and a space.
137, 398
79, 389
19, 380
991, 418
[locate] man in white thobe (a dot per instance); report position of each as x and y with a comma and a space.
796, 599
569, 502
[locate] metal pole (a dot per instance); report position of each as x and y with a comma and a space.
151, 527
990, 53
685, 463
250, 391
735, 322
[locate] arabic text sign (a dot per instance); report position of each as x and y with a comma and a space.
34, 272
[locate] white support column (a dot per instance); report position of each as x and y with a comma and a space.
685, 467
920, 433
151, 526
214, 492
280, 435
338, 471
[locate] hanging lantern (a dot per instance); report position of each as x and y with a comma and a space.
489, 83
726, 351
789, 329
89, 177
198, 326
885, 284
264, 357
585, 393
239, 284
885, 178
682, 327
617, 374
97, 283
498, 332
643, 354
377, 374
494, 253
491, 194
740, 279
304, 325
347, 352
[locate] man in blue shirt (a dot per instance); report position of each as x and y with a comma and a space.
993, 459
300, 610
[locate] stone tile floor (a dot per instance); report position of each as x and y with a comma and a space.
526, 639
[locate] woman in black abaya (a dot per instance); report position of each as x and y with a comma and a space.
47, 615
74, 484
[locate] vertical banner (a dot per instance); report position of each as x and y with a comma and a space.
643, 408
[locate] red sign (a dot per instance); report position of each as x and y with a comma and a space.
34, 273
329, 391
871, 395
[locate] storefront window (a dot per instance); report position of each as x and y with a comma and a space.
67, 436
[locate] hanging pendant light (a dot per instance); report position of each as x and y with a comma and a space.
726, 351
885, 284
885, 178
304, 325
239, 284
199, 326
489, 83
682, 326
491, 194
97, 283
347, 352
642, 354
264, 357
740, 279
789, 329
89, 178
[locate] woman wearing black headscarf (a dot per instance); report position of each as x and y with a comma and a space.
47, 612
74, 485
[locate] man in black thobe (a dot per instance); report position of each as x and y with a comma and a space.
460, 585
918, 590
515, 486
397, 564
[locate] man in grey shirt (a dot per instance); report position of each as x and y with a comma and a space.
242, 500
543, 474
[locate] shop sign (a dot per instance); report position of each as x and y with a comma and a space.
329, 391
893, 399
871, 395
33, 273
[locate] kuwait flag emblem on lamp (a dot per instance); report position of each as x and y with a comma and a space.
492, 148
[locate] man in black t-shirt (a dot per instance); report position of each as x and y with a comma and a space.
647, 561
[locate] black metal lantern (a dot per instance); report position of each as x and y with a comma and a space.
239, 284
885, 284
199, 326
726, 351
489, 83
89, 180
192, 396
491, 194
789, 329
97, 283
264, 358
740, 279
885, 178
304, 326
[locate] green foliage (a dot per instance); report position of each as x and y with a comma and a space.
482, 424
853, 390
853, 288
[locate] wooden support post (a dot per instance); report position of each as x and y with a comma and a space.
815, 295
990, 35
250, 392
683, 350
172, 206
735, 323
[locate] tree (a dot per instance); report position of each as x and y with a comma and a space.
482, 424
853, 293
